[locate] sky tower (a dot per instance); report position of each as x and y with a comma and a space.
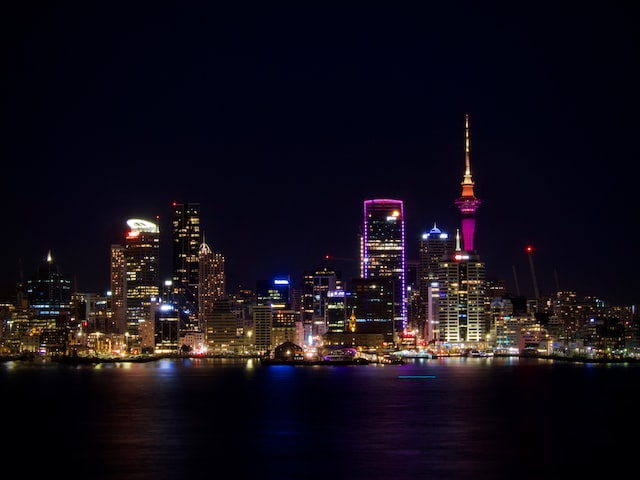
461, 275
467, 202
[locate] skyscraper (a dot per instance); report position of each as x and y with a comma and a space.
383, 251
372, 303
434, 245
317, 285
49, 295
461, 305
118, 275
212, 282
461, 275
186, 259
142, 246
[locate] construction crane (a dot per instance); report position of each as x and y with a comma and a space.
529, 250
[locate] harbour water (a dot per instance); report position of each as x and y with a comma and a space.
446, 418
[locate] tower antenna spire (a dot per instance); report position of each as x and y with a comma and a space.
467, 154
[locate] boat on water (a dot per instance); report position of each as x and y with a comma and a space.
392, 359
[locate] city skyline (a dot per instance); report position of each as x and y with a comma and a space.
281, 122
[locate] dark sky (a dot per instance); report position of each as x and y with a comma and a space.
280, 121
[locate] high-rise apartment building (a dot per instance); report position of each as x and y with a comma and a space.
142, 264
462, 301
461, 275
383, 251
187, 240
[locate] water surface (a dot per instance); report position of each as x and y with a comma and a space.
454, 418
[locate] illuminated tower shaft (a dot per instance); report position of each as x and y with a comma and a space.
467, 203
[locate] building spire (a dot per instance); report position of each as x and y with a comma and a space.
467, 182
204, 249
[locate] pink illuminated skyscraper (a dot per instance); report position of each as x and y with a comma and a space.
467, 202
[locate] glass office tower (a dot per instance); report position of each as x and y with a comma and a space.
141, 251
187, 240
383, 251
434, 245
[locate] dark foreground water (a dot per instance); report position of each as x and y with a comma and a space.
235, 419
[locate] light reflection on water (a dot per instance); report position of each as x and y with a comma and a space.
480, 418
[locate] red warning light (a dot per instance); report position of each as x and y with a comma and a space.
529, 249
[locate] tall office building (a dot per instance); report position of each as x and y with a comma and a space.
336, 313
222, 324
142, 263
317, 285
383, 251
372, 305
118, 278
212, 281
167, 329
186, 258
434, 245
461, 275
262, 324
276, 293
49, 295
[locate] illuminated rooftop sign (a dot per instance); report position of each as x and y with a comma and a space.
138, 225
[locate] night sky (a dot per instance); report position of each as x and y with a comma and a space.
280, 121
